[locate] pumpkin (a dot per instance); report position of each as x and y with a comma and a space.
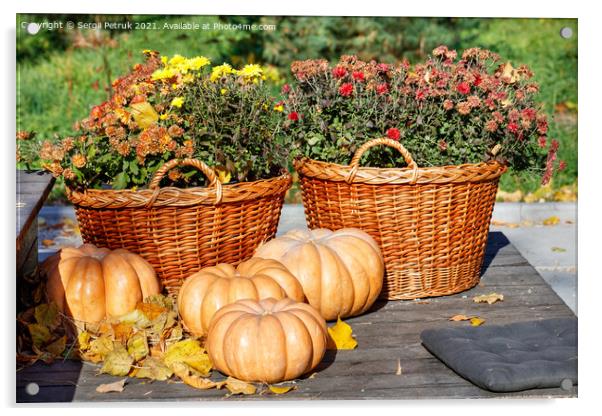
266, 341
341, 272
90, 283
211, 288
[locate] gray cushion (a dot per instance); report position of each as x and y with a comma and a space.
514, 357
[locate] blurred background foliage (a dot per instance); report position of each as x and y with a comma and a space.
61, 74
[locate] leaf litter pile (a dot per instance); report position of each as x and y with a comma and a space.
147, 343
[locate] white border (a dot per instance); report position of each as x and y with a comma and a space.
590, 183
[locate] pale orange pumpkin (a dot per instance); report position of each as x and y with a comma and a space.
341, 272
267, 341
90, 283
211, 288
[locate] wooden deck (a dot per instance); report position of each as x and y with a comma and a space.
388, 334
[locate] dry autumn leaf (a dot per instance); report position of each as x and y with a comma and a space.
490, 298
98, 349
239, 387
281, 389
116, 387
47, 314
476, 321
189, 352
154, 369
457, 318
122, 332
47, 242
223, 175
553, 220
137, 345
202, 383
56, 347
118, 362
558, 249
40, 335
151, 310
341, 336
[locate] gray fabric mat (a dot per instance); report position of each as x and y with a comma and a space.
514, 357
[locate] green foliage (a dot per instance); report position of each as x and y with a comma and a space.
60, 78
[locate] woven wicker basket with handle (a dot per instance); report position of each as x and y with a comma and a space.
179, 230
431, 223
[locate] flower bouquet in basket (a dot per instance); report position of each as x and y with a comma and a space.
181, 165
434, 139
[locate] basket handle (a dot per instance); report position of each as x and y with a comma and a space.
202, 166
355, 162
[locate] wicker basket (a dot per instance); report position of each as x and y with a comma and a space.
431, 223
178, 230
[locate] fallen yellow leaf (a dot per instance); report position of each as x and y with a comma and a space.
182, 371
137, 345
188, 352
281, 389
476, 321
558, 249
152, 368
118, 362
223, 175
490, 298
239, 387
341, 336
553, 220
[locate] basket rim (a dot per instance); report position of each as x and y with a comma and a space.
467, 172
170, 196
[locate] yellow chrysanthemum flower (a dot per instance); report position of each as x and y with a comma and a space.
177, 102
220, 71
197, 63
164, 116
279, 108
165, 73
164, 60
251, 73
223, 91
177, 60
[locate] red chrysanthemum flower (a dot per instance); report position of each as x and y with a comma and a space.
358, 76
286, 89
382, 67
393, 133
339, 72
420, 95
513, 127
542, 142
346, 89
382, 89
463, 88
561, 165
294, 116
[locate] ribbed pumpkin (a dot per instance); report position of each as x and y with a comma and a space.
90, 283
211, 288
341, 272
267, 341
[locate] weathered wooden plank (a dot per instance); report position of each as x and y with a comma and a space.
32, 191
